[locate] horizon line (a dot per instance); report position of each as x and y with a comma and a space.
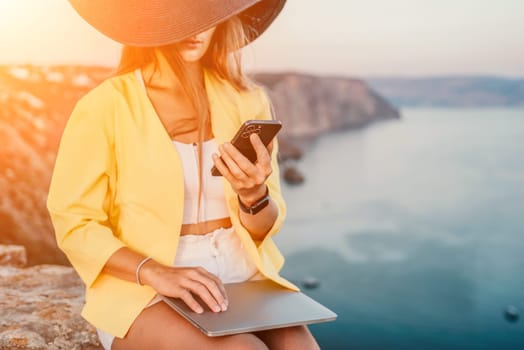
384, 76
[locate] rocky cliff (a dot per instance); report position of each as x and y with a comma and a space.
34, 105
310, 106
36, 102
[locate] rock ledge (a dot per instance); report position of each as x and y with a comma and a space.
40, 308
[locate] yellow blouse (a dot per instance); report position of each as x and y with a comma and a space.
118, 181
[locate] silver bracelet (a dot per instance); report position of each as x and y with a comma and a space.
137, 271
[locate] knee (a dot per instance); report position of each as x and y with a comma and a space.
301, 335
298, 337
244, 342
296, 331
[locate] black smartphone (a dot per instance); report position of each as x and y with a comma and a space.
266, 130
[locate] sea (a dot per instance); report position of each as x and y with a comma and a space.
412, 231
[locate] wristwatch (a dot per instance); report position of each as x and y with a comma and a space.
257, 206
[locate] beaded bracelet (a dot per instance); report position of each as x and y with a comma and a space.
137, 271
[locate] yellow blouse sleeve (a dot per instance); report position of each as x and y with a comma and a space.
80, 194
260, 105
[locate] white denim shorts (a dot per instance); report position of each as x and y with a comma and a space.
219, 252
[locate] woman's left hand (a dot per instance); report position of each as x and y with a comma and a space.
247, 179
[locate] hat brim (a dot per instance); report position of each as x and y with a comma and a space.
257, 18
163, 22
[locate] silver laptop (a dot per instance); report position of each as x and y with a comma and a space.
255, 306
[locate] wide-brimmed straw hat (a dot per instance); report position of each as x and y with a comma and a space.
163, 22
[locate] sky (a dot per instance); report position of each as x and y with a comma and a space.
329, 37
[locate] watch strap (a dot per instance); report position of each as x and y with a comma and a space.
257, 206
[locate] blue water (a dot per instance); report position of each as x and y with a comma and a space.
415, 230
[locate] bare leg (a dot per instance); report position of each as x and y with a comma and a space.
289, 338
159, 327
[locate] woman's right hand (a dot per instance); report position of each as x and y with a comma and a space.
180, 282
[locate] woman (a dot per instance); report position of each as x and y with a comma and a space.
132, 200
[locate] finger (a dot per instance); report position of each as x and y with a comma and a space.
224, 170
263, 156
270, 148
187, 298
212, 287
235, 161
263, 159
217, 281
222, 167
204, 293
248, 167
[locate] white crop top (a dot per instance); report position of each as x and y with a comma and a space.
213, 201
